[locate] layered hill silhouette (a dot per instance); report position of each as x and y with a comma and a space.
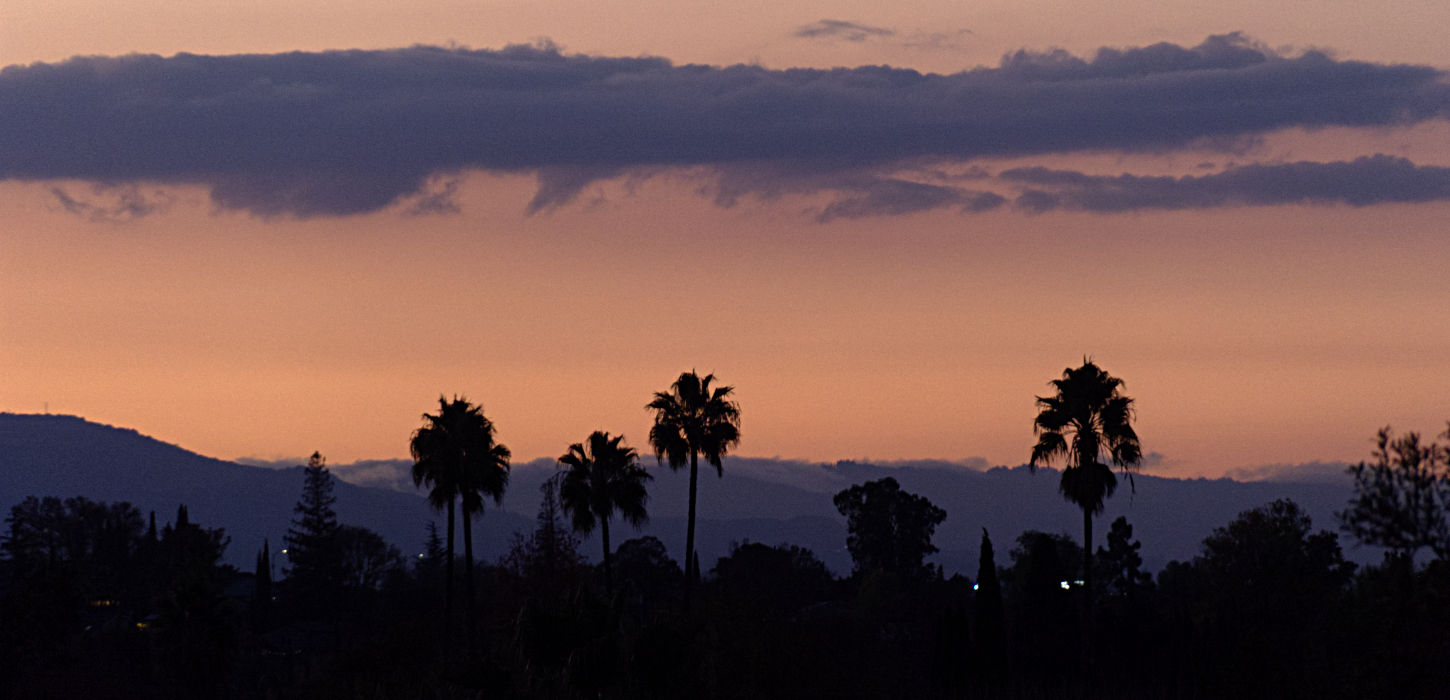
762, 500
64, 456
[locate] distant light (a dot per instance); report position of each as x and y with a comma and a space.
975, 586
284, 551
1066, 585
420, 556
1077, 582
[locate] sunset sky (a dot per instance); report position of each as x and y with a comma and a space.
1240, 208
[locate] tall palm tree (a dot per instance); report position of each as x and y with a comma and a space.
1087, 420
455, 455
603, 477
691, 420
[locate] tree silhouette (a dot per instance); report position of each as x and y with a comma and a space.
691, 420
1120, 564
1086, 419
315, 572
991, 624
261, 610
1272, 583
783, 578
196, 637
890, 529
367, 559
1401, 498
602, 477
645, 562
548, 560
455, 455
1043, 607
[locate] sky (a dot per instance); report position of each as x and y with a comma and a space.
259, 229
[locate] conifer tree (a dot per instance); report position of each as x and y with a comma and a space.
315, 571
549, 559
991, 627
262, 593
433, 550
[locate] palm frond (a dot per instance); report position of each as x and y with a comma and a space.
602, 476
1085, 421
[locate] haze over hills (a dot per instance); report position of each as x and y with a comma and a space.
763, 500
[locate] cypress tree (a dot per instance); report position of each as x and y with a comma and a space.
434, 547
262, 593
991, 626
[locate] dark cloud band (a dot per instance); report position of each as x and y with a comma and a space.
335, 133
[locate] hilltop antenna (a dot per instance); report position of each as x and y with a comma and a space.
47, 408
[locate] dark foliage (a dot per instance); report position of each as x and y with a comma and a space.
547, 564
96, 604
644, 563
781, 579
1044, 572
1402, 498
989, 619
890, 529
367, 559
314, 553
92, 607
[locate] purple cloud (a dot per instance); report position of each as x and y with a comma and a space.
350, 132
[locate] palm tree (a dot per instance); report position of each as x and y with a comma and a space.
603, 477
455, 455
1086, 420
692, 420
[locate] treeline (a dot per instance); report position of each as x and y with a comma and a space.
98, 602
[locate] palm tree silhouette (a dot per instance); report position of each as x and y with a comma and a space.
692, 420
1087, 419
603, 477
455, 455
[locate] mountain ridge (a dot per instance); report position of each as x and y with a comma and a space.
770, 501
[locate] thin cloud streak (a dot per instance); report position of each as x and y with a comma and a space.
1362, 182
352, 132
841, 29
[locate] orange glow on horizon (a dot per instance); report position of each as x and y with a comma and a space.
1248, 336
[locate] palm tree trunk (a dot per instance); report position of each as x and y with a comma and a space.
690, 529
608, 571
468, 571
448, 572
1087, 599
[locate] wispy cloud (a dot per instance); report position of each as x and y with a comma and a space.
840, 29
112, 204
1361, 182
857, 33
350, 132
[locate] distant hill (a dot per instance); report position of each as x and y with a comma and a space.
51, 455
763, 500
